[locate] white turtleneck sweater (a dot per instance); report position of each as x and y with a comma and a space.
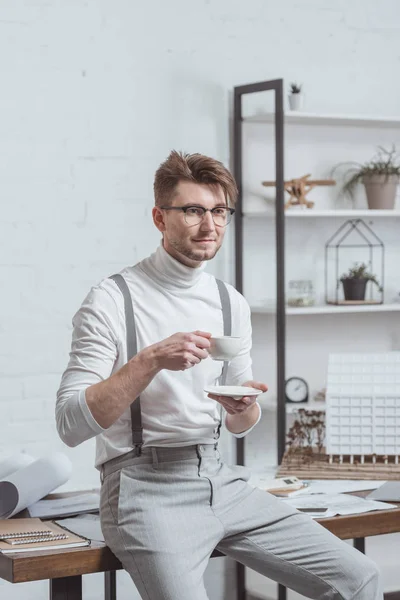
167, 297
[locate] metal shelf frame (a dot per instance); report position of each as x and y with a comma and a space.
276, 87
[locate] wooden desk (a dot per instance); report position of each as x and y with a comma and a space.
64, 568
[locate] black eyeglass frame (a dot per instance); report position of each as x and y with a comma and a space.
211, 210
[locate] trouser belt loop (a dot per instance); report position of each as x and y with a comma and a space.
155, 458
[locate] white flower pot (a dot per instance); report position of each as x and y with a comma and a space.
296, 101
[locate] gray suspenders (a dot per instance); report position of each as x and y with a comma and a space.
227, 317
131, 349
131, 345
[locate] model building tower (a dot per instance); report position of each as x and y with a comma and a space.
363, 405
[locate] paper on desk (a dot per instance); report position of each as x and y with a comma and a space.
32, 483
337, 504
340, 486
66, 506
87, 526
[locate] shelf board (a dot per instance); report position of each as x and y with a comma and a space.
329, 309
312, 214
290, 408
305, 118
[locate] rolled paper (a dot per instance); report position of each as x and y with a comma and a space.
32, 483
14, 463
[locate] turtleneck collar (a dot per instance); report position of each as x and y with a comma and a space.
169, 272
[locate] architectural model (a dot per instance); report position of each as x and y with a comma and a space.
363, 405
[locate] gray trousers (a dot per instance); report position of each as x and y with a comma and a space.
164, 512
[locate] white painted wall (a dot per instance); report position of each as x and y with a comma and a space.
94, 95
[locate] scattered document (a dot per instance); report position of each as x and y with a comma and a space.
337, 504
32, 483
67, 506
389, 492
262, 480
87, 526
340, 486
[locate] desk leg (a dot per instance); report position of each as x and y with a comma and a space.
241, 581
281, 592
66, 588
359, 544
110, 585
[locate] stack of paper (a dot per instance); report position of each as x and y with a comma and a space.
341, 486
331, 495
337, 504
66, 506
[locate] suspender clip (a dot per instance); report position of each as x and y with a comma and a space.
138, 450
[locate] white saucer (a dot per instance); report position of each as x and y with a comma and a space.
233, 391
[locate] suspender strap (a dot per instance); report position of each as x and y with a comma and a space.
227, 319
131, 345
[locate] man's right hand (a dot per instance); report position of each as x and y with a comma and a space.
182, 351
108, 399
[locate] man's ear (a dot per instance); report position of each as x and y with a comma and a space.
158, 218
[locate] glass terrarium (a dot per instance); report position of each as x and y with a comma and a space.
300, 293
354, 265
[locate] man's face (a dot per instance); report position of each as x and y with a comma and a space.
191, 244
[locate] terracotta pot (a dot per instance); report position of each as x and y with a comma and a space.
354, 289
381, 191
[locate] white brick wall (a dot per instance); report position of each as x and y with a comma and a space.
94, 94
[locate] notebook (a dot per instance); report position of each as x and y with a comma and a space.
387, 492
32, 535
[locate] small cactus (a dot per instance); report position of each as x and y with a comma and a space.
295, 88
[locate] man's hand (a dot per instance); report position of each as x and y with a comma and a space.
237, 407
182, 351
243, 413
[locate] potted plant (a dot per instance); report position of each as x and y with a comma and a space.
355, 282
295, 97
380, 177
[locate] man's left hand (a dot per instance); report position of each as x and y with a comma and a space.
236, 407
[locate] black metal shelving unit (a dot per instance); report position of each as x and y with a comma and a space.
276, 87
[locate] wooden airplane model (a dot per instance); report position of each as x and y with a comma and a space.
298, 189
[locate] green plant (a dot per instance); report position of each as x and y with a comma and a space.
360, 271
295, 88
385, 162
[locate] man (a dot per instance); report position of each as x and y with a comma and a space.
136, 380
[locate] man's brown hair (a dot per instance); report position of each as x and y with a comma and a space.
197, 168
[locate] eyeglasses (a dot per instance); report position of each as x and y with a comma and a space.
194, 215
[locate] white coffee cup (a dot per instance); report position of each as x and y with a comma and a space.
224, 347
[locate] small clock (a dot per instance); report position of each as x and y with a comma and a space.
296, 390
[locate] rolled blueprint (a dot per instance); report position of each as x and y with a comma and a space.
32, 483
14, 463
